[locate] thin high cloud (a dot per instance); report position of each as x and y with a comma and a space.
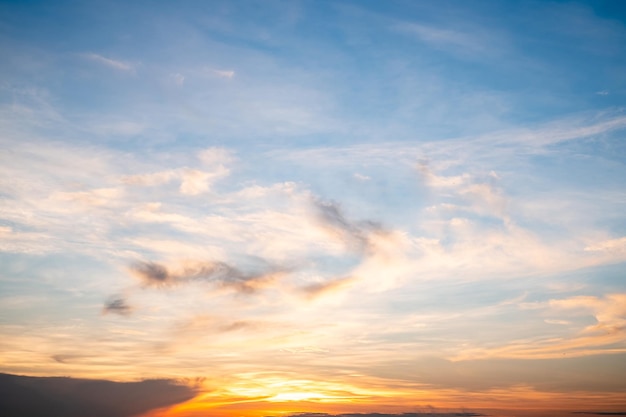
459, 43
606, 335
609, 312
111, 63
488, 147
70, 397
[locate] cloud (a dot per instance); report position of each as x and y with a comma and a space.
95, 197
384, 263
117, 305
491, 148
438, 181
69, 397
458, 38
111, 63
150, 180
216, 156
224, 275
179, 79
602, 373
201, 326
318, 289
224, 73
195, 181
192, 181
354, 234
609, 311
612, 246
477, 193
445, 38
606, 335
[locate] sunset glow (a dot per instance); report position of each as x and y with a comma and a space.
325, 208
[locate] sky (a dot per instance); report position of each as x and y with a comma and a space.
266, 208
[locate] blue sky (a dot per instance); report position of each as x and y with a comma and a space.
320, 205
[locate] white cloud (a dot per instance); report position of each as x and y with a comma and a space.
216, 156
492, 148
609, 311
150, 180
195, 181
192, 181
388, 263
224, 73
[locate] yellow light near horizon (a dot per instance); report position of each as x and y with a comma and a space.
297, 396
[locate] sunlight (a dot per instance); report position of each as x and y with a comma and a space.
298, 396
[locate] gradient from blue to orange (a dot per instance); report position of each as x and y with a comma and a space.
317, 206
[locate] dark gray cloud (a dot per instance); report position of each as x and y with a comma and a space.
117, 305
152, 273
355, 234
69, 397
220, 273
66, 358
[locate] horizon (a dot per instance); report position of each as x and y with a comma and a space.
314, 208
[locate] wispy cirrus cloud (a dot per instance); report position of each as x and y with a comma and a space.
484, 149
606, 335
609, 311
109, 62
157, 275
462, 43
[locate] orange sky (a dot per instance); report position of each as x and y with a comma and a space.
294, 398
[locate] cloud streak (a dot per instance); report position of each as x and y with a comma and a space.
117, 305
155, 275
111, 63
